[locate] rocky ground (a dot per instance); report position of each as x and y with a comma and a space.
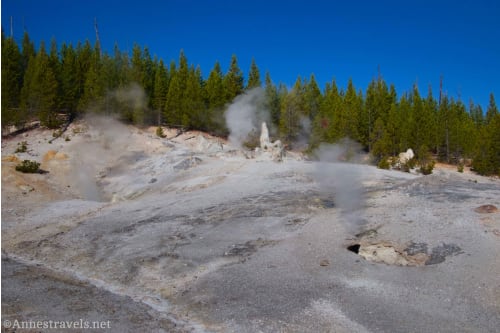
187, 234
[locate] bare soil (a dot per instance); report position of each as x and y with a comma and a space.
188, 234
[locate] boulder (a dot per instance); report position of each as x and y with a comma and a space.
406, 156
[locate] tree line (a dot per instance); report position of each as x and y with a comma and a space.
45, 83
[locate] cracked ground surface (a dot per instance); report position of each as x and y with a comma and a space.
231, 244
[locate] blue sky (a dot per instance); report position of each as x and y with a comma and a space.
411, 41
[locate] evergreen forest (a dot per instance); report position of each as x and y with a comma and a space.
71, 80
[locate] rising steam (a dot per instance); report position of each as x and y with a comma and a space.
336, 173
245, 115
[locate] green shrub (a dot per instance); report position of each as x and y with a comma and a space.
384, 163
410, 164
460, 167
159, 132
22, 147
425, 160
426, 168
28, 166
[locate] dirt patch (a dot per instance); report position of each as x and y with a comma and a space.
486, 209
54, 155
439, 253
249, 247
388, 253
11, 158
415, 254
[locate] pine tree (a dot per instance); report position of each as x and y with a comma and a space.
195, 115
378, 103
55, 65
423, 120
381, 141
392, 128
272, 103
444, 124
215, 100
350, 113
68, 79
406, 124
215, 88
492, 110
253, 76
148, 73
39, 93
331, 114
137, 72
27, 51
94, 87
312, 98
476, 113
173, 100
83, 61
233, 80
487, 157
11, 82
291, 112
462, 134
176, 104
122, 69
160, 90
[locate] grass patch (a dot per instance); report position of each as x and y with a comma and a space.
28, 166
22, 147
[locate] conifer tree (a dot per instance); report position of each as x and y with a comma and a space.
137, 72
291, 112
350, 112
173, 100
175, 104
272, 102
253, 76
487, 154
68, 79
83, 60
406, 123
160, 90
94, 87
476, 113
27, 51
381, 141
195, 115
215, 100
215, 88
55, 65
233, 80
392, 127
331, 112
312, 98
11, 82
492, 109
147, 67
39, 93
417, 137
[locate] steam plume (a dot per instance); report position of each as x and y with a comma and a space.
246, 114
337, 174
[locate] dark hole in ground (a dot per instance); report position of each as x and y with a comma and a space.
354, 248
327, 203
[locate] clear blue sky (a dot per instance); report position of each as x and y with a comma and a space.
411, 41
